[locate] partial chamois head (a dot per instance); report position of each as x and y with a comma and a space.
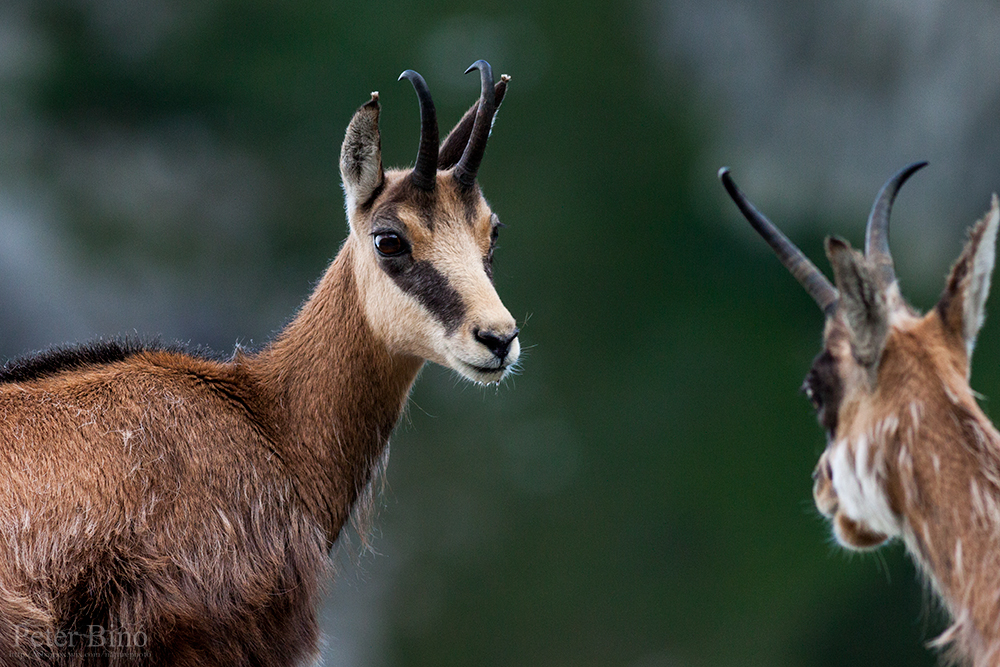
891, 386
423, 239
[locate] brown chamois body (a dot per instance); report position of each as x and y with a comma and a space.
159, 508
909, 453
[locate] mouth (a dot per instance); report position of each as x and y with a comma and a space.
491, 373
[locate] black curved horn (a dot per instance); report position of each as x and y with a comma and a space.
877, 230
424, 174
468, 164
454, 144
817, 285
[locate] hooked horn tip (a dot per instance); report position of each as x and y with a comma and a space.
479, 64
730, 185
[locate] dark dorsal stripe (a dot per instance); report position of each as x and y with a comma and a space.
57, 360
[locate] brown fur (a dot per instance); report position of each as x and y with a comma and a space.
932, 458
158, 508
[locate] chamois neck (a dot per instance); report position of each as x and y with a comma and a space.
950, 483
338, 392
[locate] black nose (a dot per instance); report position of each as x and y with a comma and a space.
497, 344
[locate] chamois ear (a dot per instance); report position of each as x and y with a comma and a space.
862, 304
361, 156
454, 144
962, 305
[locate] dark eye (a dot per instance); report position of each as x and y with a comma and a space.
389, 244
811, 391
495, 229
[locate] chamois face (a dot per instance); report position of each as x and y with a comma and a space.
890, 387
424, 268
423, 253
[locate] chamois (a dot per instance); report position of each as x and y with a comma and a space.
909, 452
161, 508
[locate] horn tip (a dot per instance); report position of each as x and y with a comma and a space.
479, 64
729, 184
911, 169
406, 74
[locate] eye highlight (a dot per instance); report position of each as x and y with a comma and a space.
811, 391
389, 244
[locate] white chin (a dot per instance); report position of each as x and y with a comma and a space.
479, 374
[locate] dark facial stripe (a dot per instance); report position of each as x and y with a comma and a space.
405, 195
826, 390
428, 286
470, 202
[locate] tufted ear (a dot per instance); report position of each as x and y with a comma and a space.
862, 304
361, 156
962, 305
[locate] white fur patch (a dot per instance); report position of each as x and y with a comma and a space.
859, 490
958, 560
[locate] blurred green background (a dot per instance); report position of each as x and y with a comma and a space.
640, 494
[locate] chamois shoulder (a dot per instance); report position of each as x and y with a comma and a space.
92, 355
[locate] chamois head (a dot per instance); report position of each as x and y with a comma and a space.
888, 381
423, 239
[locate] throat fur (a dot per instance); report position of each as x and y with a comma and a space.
346, 391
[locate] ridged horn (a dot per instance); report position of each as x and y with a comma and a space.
424, 174
468, 164
817, 285
877, 230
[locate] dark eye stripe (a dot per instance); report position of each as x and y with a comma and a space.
827, 390
428, 286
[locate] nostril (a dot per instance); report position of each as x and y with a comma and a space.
498, 344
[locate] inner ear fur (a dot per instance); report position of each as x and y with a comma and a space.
361, 156
862, 305
962, 306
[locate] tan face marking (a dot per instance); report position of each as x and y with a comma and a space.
436, 279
